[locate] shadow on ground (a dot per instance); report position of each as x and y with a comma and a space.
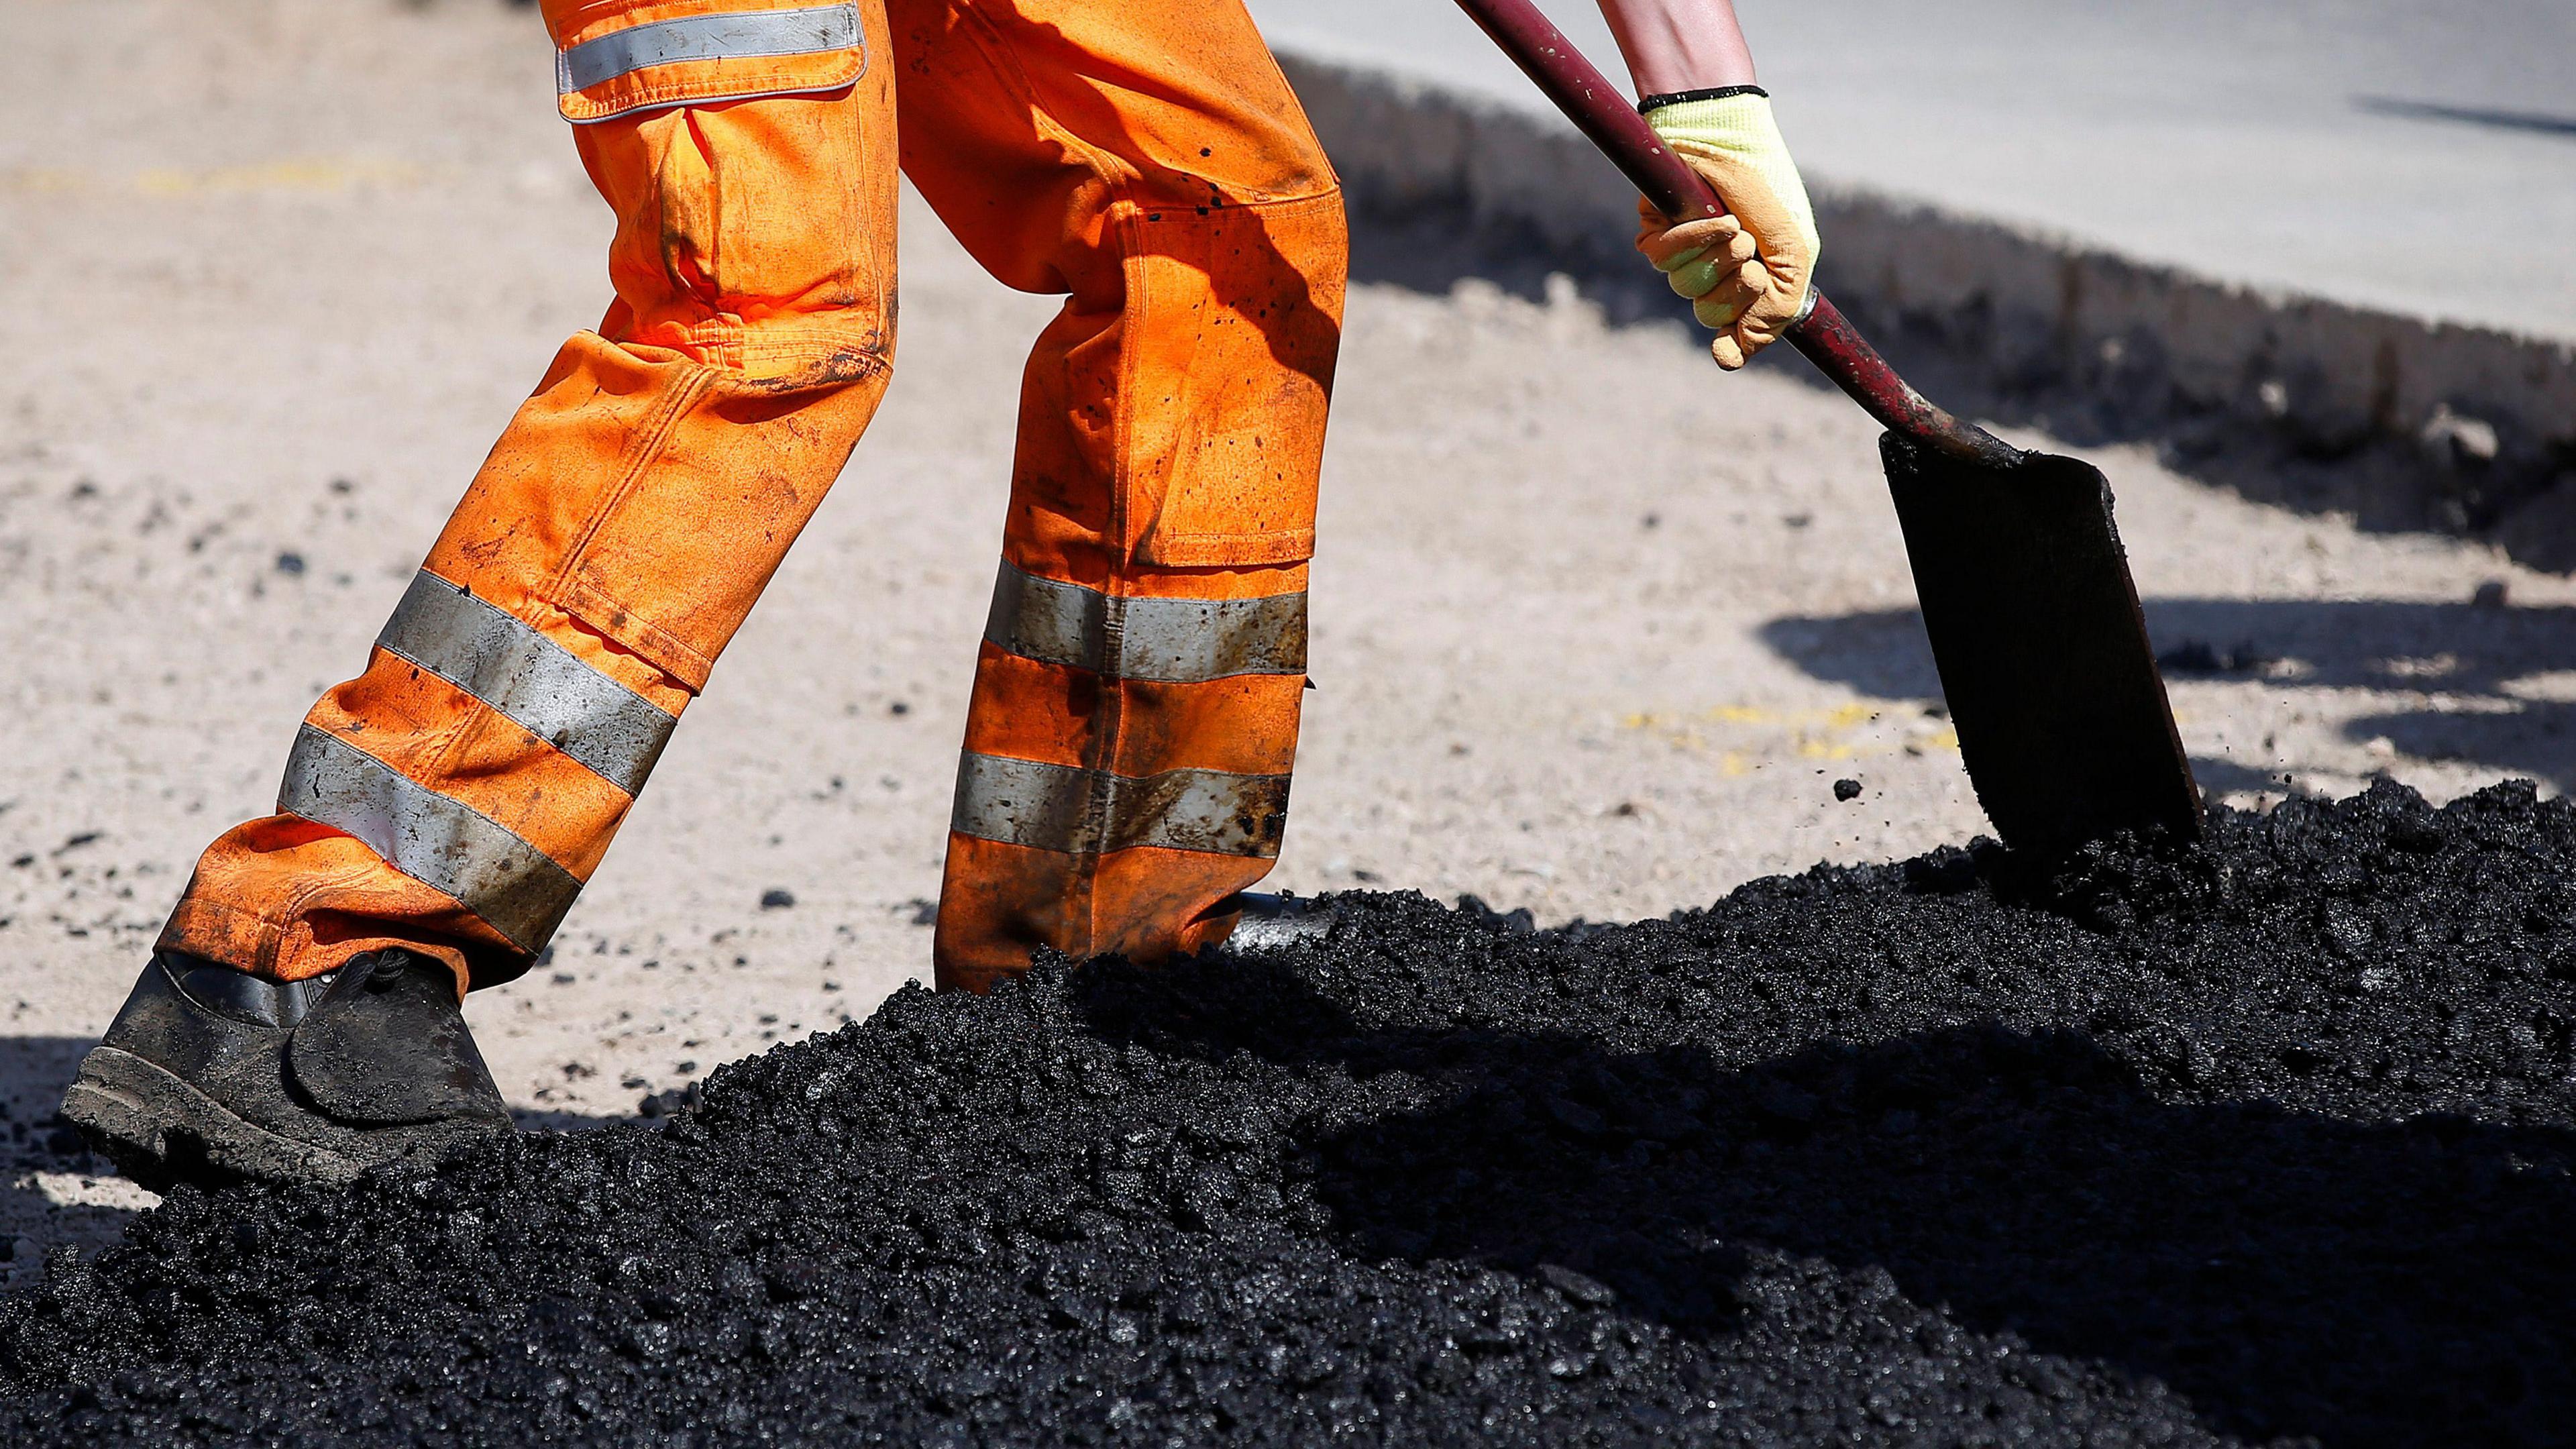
54, 1189
2485, 661
2291, 1273
44, 1161
2536, 122
1981, 367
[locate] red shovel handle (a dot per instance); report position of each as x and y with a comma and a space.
1605, 115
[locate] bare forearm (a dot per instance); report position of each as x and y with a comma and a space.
1680, 45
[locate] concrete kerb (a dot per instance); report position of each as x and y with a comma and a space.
2440, 426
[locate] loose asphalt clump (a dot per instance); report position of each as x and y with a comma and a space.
2269, 1138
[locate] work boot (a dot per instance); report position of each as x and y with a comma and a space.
1275, 922
210, 1074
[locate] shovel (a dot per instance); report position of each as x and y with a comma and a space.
2034, 622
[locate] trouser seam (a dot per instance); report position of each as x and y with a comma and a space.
648, 446
632, 468
1110, 722
273, 926
1121, 207
1007, 59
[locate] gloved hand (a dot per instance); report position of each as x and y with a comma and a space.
1747, 272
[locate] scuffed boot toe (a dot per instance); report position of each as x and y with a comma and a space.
210, 1074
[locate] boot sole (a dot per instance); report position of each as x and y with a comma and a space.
159, 1130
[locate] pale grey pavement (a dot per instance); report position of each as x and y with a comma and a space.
2414, 158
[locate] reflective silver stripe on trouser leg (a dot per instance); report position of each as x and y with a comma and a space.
535, 682
747, 36
1089, 812
1176, 641
516, 888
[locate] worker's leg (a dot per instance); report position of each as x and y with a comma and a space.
1136, 697
454, 796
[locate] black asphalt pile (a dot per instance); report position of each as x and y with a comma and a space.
2270, 1139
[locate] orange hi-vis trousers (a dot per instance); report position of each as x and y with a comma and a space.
1136, 696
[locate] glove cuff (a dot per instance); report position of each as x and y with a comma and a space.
1736, 125
1658, 101
1736, 120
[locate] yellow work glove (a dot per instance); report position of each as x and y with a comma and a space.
1747, 272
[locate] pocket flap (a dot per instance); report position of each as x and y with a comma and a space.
643, 638
669, 55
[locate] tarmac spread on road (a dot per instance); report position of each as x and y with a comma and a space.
2266, 1138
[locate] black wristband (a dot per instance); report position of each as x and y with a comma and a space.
1714, 93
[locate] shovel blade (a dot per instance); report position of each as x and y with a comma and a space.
2043, 653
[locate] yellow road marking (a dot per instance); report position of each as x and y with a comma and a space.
1814, 734
302, 174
